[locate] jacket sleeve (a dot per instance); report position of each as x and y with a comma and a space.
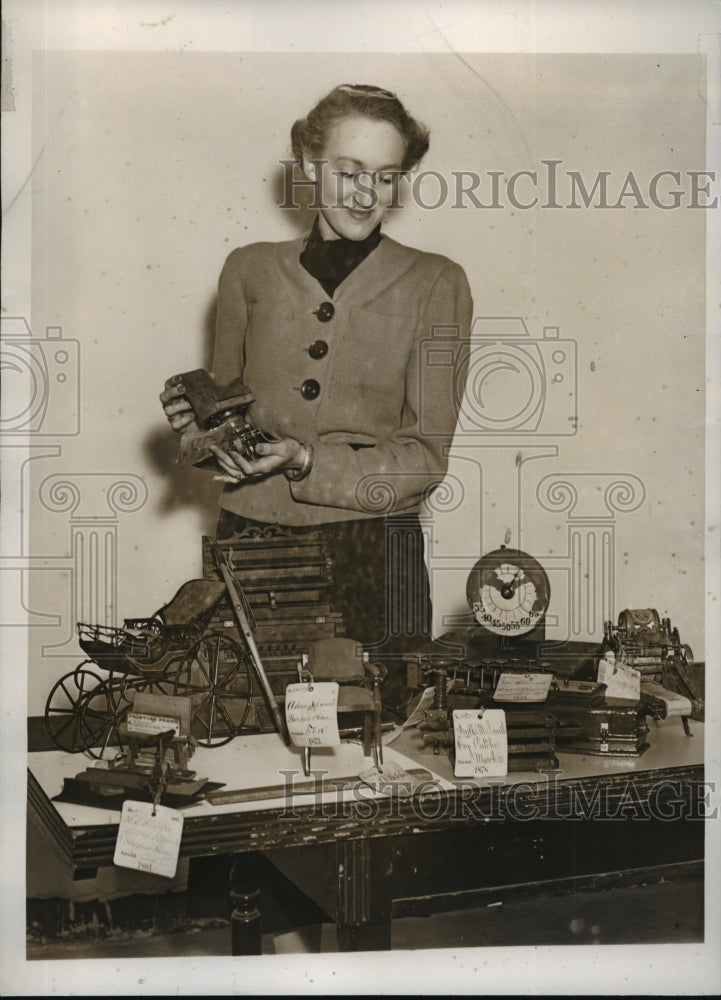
396, 473
231, 322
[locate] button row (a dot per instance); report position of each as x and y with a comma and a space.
317, 350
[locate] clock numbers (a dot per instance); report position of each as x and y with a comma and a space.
507, 595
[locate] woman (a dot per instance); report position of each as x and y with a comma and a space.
328, 332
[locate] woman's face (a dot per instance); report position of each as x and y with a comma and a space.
363, 159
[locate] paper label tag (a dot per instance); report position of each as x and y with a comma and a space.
138, 722
389, 779
623, 683
311, 714
522, 687
481, 743
676, 704
147, 842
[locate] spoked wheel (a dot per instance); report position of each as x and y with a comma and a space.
65, 721
160, 683
103, 712
108, 706
216, 675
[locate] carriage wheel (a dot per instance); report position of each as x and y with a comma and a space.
65, 721
161, 683
105, 710
216, 675
109, 705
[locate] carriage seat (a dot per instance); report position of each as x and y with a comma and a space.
143, 643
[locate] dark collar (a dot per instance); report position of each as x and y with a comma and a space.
331, 261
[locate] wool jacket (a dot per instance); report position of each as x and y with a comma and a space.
377, 396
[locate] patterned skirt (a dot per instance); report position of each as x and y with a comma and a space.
379, 578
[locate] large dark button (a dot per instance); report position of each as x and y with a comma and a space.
318, 349
310, 389
326, 311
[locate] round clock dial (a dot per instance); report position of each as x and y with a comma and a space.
508, 592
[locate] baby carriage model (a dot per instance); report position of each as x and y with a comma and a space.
172, 652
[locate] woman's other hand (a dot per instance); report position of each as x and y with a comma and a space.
273, 456
179, 412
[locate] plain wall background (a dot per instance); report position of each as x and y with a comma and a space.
151, 167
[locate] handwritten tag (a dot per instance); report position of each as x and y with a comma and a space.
147, 842
389, 779
623, 683
311, 713
522, 687
139, 722
481, 743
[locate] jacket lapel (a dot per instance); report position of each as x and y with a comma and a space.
376, 272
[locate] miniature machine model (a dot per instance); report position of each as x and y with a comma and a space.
153, 766
508, 592
221, 412
649, 644
531, 730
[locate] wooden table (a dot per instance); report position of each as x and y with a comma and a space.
366, 858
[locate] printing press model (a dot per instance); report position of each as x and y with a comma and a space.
649, 644
151, 763
646, 645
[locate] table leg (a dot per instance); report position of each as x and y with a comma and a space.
245, 921
363, 915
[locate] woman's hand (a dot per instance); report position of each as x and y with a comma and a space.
177, 406
273, 456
